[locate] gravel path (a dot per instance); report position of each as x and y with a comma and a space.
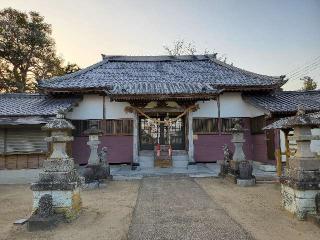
176, 207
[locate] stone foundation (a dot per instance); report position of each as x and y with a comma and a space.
65, 202
299, 202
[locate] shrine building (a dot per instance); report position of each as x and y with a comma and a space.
182, 104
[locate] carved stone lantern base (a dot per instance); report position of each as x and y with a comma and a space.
66, 198
299, 202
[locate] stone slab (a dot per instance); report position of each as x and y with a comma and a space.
307, 164
20, 221
38, 224
246, 182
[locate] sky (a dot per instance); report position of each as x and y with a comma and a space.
273, 37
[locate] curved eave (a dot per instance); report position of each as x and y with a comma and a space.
153, 97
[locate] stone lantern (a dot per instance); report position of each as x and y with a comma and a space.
97, 168
93, 143
240, 170
59, 178
301, 187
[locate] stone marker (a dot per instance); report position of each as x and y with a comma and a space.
301, 186
59, 178
245, 177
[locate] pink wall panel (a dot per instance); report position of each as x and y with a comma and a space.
260, 148
208, 147
120, 149
80, 150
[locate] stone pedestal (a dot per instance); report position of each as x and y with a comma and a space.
59, 178
299, 202
301, 186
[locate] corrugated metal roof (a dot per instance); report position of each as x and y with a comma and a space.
160, 75
286, 102
24, 104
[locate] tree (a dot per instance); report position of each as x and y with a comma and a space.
308, 83
180, 47
27, 51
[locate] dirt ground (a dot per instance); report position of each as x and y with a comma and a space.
106, 215
259, 211
108, 212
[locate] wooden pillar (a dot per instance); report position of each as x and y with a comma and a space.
135, 138
190, 138
219, 115
287, 151
279, 162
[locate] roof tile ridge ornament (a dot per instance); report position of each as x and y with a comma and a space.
301, 111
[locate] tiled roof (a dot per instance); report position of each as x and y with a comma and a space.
160, 75
21, 120
286, 102
23, 104
283, 122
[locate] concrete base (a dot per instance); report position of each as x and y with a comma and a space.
246, 182
36, 223
66, 202
299, 202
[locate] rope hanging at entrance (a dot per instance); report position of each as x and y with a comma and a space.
166, 122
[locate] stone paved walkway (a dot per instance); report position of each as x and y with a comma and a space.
176, 207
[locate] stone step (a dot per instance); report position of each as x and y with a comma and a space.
180, 161
146, 161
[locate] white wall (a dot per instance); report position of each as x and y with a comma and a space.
91, 107
207, 109
231, 105
115, 110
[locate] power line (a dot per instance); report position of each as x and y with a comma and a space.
303, 66
302, 74
305, 72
